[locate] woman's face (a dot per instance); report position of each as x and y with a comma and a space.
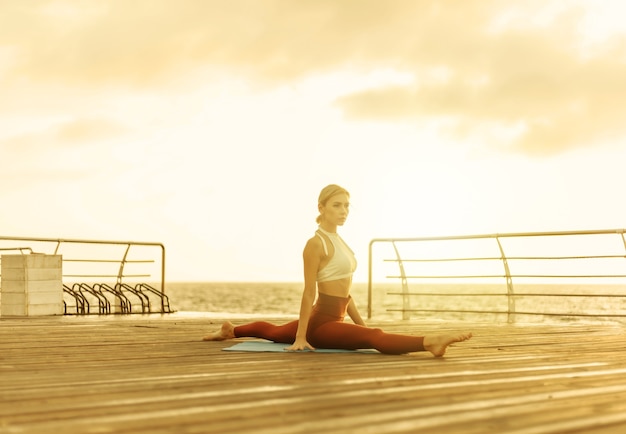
336, 210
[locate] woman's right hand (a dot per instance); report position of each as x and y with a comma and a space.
300, 345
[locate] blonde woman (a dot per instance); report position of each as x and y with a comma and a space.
328, 267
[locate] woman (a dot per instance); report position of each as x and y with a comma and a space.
328, 267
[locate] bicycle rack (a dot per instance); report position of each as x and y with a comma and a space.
89, 266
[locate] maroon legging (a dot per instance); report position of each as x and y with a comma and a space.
327, 330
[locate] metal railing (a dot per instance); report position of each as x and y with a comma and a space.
455, 259
90, 260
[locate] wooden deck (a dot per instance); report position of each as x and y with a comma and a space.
153, 374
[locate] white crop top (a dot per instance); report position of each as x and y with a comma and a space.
343, 262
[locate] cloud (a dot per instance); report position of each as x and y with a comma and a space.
483, 66
532, 82
68, 134
65, 151
138, 42
87, 130
572, 104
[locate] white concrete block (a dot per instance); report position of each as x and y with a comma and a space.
22, 274
31, 285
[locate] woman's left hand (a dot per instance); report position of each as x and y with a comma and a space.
300, 345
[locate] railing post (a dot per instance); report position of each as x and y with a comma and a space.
406, 301
163, 278
369, 279
509, 283
120, 274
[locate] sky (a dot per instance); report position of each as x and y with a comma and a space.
211, 126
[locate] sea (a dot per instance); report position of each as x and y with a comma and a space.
440, 302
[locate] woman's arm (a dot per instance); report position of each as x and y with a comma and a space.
311, 256
354, 314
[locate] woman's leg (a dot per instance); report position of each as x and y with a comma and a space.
335, 334
284, 334
348, 336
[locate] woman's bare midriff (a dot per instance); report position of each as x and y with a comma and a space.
335, 288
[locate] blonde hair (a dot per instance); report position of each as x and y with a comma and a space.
328, 192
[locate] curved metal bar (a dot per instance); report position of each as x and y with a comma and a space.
20, 249
86, 307
369, 279
144, 300
120, 273
104, 306
82, 305
165, 301
406, 301
123, 300
509, 283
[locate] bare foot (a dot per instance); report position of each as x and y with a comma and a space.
226, 332
437, 344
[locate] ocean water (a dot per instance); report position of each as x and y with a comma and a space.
591, 303
274, 299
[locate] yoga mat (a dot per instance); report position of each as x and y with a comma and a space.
272, 347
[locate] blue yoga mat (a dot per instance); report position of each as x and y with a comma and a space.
272, 347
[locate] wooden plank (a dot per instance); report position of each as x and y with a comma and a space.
153, 374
